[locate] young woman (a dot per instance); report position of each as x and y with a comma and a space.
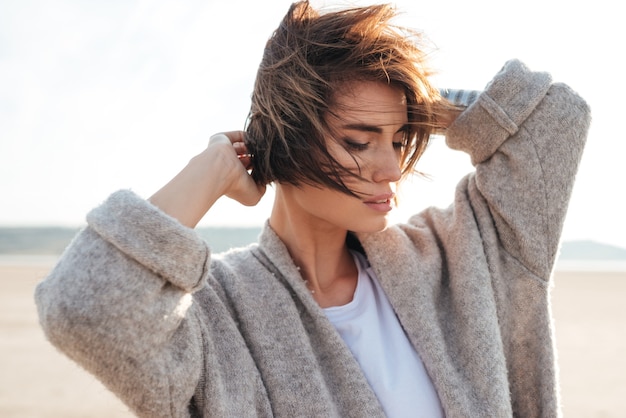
335, 313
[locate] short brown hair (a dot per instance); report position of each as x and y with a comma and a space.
306, 60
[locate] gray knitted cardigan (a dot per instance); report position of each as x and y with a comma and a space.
138, 301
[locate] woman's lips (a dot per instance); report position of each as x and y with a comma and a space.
380, 203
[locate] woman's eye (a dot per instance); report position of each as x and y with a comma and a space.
355, 146
401, 140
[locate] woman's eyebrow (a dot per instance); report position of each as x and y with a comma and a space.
364, 127
404, 128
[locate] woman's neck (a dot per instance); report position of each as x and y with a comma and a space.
320, 252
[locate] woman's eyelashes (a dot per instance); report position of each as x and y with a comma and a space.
352, 145
402, 140
355, 145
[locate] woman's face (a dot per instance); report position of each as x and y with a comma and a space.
369, 122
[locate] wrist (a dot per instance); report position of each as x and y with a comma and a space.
192, 192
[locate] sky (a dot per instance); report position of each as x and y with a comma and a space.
99, 96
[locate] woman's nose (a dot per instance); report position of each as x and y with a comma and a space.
387, 166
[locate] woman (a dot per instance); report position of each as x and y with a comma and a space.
334, 313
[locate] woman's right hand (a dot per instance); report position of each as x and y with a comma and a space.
220, 170
241, 186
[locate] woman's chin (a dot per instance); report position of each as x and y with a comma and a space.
373, 227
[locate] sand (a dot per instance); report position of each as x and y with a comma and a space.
590, 317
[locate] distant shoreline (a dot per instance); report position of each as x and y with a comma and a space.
591, 265
29, 260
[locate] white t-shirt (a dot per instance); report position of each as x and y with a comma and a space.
392, 367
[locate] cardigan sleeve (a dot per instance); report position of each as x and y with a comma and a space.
525, 135
119, 302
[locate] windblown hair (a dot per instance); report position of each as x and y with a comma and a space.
306, 61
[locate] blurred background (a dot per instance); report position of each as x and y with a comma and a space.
98, 96
120, 94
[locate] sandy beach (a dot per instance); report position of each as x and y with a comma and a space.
589, 312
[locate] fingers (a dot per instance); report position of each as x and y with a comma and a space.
236, 139
243, 154
242, 150
229, 137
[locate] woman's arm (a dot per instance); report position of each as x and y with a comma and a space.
119, 303
221, 169
120, 300
525, 135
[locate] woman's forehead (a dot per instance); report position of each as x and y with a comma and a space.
371, 100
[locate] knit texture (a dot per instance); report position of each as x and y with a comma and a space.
138, 300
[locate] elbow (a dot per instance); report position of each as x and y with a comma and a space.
59, 317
